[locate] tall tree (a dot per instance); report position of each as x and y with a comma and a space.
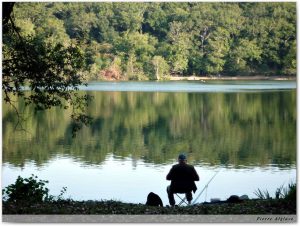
217, 50
179, 41
51, 71
160, 67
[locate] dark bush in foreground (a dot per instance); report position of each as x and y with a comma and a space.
28, 190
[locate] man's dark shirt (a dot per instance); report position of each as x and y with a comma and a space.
182, 178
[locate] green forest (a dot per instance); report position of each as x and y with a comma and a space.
141, 41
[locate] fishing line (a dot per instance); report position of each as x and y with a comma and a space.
206, 186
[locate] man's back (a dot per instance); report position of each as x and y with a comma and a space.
183, 171
182, 178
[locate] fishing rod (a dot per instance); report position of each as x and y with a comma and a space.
206, 186
183, 199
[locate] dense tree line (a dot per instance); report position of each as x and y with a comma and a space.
155, 40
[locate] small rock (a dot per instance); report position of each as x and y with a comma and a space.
244, 197
234, 199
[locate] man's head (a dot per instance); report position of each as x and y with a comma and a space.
182, 158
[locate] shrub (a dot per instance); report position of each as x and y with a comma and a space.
29, 190
292, 192
288, 193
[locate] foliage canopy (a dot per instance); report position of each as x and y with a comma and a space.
191, 38
50, 69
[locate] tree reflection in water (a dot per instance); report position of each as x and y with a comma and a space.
238, 129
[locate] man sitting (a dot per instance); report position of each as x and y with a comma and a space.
182, 178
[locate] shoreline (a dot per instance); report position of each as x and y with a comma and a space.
251, 206
239, 78
213, 78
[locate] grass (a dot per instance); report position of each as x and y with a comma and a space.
288, 193
263, 206
262, 194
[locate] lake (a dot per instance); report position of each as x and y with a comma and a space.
245, 131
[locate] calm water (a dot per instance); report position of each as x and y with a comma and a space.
245, 131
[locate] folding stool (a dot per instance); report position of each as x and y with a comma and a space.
182, 200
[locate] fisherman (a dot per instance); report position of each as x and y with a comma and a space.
182, 178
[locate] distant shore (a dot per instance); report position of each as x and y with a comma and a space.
216, 78
199, 78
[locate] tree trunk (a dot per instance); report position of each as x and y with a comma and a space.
157, 74
7, 8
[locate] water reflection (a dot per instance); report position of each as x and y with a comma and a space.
128, 182
231, 129
136, 136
